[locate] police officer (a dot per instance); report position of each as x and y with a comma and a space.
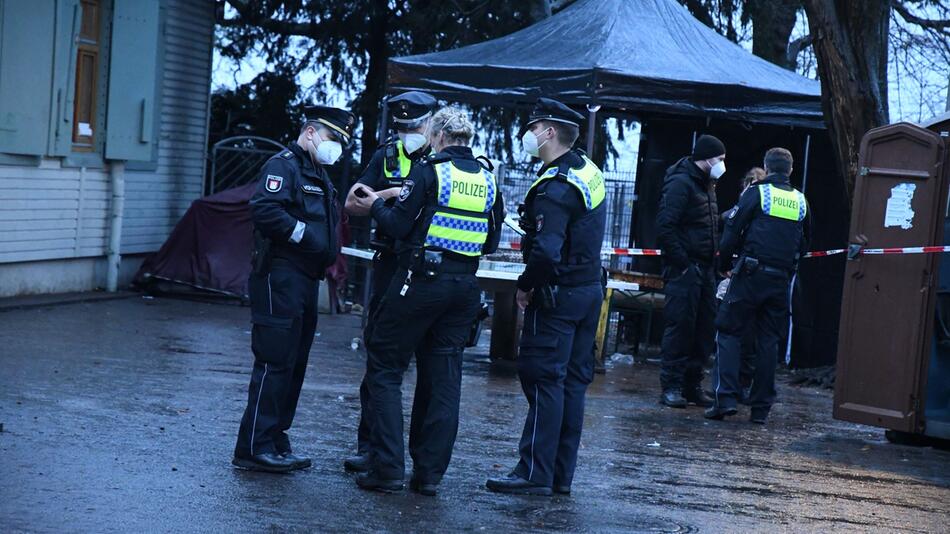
561, 291
295, 219
448, 214
769, 230
390, 165
687, 227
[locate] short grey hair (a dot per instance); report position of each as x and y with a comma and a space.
456, 125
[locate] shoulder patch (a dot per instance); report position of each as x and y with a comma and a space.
273, 183
286, 154
406, 190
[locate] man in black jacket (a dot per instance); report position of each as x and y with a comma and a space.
687, 232
294, 213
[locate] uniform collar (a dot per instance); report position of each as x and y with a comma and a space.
458, 151
775, 178
306, 164
570, 158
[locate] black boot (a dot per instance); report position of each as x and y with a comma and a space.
717, 413
359, 463
417, 485
672, 398
269, 462
758, 415
371, 481
300, 462
562, 489
696, 396
517, 485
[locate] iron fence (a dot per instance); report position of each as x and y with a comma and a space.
515, 181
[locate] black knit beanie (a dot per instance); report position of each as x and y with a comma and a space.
707, 147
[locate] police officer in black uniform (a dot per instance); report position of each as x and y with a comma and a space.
390, 165
769, 229
447, 215
687, 227
561, 291
295, 218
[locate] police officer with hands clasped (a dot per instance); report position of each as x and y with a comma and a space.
561, 291
390, 165
769, 230
687, 227
294, 215
448, 214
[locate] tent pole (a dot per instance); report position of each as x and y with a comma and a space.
805, 169
591, 122
791, 285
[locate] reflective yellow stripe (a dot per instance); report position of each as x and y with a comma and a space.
471, 192
405, 164
777, 202
588, 180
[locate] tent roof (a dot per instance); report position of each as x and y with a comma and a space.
641, 55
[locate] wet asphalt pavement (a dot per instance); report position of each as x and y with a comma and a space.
121, 416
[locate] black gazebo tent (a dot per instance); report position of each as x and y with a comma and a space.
637, 55
652, 60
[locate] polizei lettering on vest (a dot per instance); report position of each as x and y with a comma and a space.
470, 189
785, 202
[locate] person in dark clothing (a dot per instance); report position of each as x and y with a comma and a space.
746, 368
687, 232
769, 229
295, 216
390, 166
561, 291
447, 215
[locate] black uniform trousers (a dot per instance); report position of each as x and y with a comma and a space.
433, 320
757, 301
384, 266
284, 317
689, 335
555, 365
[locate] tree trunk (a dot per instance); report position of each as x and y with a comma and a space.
772, 25
851, 39
368, 103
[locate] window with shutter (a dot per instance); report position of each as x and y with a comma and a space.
87, 79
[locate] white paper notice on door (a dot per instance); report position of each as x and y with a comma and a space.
899, 211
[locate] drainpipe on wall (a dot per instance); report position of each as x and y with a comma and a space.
116, 207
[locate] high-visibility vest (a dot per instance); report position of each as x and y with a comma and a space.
464, 202
404, 163
777, 202
588, 180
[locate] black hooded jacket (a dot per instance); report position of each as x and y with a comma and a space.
687, 222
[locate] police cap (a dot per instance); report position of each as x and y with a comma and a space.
546, 109
411, 108
339, 121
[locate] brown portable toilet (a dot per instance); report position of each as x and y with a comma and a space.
887, 315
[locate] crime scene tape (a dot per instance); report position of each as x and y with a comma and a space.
812, 254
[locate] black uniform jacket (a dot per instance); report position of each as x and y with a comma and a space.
406, 220
292, 189
775, 242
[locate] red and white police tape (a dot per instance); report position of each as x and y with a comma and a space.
813, 254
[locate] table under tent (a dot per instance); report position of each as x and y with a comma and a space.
653, 62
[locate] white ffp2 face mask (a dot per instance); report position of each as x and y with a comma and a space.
328, 152
717, 170
413, 141
530, 143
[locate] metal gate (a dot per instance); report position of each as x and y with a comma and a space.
236, 161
